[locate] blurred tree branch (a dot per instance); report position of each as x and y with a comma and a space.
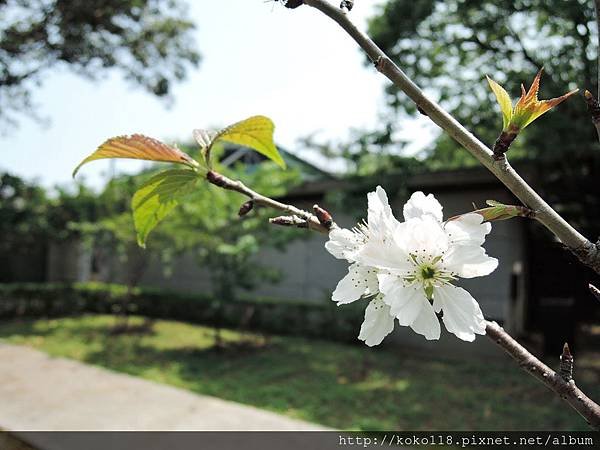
150, 42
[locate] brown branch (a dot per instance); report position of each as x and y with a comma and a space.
593, 109
299, 217
586, 251
597, 5
524, 51
567, 390
321, 221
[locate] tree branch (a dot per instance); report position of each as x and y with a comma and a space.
299, 217
526, 54
597, 5
567, 389
586, 251
322, 221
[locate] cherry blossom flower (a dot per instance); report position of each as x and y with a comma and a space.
407, 269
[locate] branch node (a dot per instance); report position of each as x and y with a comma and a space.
292, 3
500, 161
566, 364
289, 221
503, 143
347, 5
589, 254
422, 111
380, 63
215, 178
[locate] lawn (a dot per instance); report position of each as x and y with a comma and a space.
338, 385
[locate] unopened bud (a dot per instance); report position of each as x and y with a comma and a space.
246, 208
323, 216
566, 363
593, 106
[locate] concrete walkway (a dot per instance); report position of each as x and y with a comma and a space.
38, 392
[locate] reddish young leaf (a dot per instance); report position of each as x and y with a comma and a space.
138, 146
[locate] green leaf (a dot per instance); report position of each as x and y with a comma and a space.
503, 100
157, 198
256, 133
138, 146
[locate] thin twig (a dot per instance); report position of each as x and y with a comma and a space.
567, 390
595, 291
310, 220
585, 250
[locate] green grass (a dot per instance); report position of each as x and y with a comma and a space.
341, 386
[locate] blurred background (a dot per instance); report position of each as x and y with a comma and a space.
236, 309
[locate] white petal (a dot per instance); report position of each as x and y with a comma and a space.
423, 236
378, 205
419, 205
385, 254
427, 323
468, 229
462, 315
405, 300
378, 322
343, 243
360, 280
469, 261
380, 219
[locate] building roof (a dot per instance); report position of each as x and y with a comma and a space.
466, 178
309, 171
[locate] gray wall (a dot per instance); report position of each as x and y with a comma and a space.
68, 261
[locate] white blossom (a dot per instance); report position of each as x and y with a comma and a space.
407, 269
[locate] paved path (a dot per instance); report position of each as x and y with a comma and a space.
38, 392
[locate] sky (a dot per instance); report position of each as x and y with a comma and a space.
295, 66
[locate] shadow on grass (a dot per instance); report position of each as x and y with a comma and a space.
337, 385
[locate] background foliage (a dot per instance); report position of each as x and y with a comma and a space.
149, 41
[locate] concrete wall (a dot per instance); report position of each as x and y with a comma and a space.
68, 261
